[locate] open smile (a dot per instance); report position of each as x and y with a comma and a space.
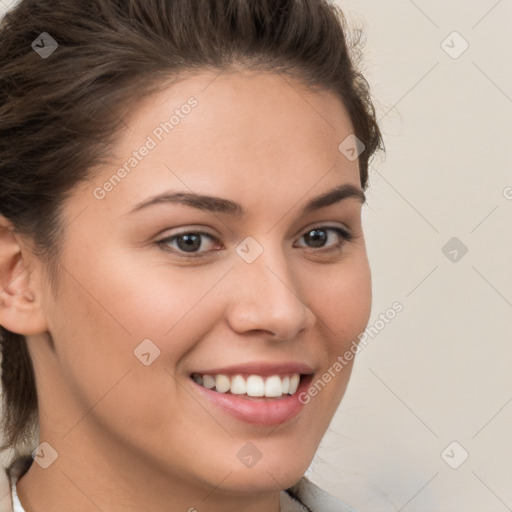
273, 386
268, 397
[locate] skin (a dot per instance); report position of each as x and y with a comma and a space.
133, 437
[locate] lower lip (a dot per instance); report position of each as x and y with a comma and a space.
258, 411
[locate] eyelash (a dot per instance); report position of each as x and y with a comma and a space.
345, 236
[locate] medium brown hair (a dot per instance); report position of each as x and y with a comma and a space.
60, 115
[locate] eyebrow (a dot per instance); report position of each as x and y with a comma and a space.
226, 206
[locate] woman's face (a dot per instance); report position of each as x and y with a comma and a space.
200, 265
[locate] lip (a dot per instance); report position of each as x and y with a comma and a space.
256, 411
263, 369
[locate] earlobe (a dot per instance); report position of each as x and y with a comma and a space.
20, 292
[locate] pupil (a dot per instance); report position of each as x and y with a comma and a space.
318, 238
189, 242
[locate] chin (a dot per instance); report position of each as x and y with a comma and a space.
276, 470
264, 480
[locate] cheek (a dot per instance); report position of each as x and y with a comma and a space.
105, 312
140, 301
91, 337
343, 303
158, 298
96, 340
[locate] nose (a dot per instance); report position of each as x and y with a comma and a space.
266, 298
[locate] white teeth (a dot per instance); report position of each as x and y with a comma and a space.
222, 383
286, 385
254, 385
294, 383
273, 386
238, 385
208, 381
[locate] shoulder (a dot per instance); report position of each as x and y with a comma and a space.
315, 499
5, 490
15, 469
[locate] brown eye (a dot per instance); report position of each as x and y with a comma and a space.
318, 238
191, 242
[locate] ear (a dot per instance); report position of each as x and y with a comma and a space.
20, 284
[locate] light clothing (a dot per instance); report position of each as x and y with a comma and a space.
302, 497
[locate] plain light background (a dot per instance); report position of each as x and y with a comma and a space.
434, 385
440, 371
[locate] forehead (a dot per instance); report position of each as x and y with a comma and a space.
217, 133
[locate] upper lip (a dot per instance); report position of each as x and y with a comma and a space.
259, 368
